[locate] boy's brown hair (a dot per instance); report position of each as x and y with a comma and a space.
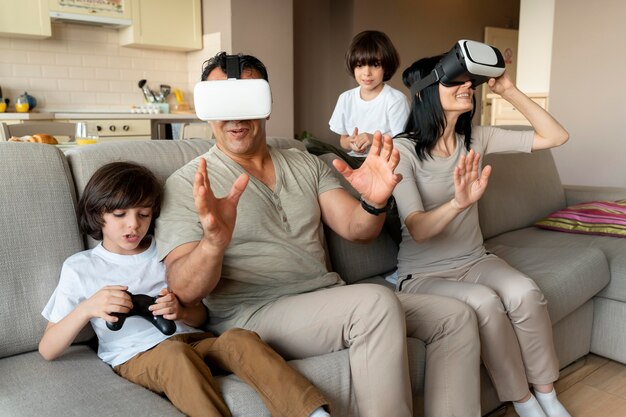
117, 186
372, 47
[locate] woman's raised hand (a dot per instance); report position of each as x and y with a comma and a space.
469, 184
502, 84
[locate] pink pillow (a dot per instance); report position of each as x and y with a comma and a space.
605, 218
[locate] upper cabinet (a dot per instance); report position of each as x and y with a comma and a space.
25, 19
114, 13
164, 24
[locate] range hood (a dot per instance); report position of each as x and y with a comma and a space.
86, 19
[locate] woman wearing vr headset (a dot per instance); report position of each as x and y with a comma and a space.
442, 248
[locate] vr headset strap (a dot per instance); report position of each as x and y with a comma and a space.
431, 78
232, 67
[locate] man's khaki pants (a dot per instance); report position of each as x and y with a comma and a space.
373, 323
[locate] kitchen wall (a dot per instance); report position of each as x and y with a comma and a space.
587, 90
323, 30
83, 67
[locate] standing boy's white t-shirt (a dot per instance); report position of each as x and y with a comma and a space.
387, 112
85, 273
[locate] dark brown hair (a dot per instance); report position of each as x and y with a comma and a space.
245, 62
117, 186
372, 47
427, 120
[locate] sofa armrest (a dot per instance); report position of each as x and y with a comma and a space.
575, 194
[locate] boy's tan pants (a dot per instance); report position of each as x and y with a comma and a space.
179, 368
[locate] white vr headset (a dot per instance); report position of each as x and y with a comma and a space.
466, 61
234, 98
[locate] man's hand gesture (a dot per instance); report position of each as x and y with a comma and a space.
217, 215
375, 179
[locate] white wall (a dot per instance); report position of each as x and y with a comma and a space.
263, 29
587, 90
534, 50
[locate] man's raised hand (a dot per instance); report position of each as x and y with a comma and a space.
217, 215
375, 179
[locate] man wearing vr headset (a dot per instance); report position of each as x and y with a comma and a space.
257, 257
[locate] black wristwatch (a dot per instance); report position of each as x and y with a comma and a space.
376, 211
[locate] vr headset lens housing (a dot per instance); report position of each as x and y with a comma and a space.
234, 98
466, 61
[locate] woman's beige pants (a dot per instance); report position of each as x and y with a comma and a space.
514, 325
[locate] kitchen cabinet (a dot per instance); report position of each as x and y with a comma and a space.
504, 113
25, 19
119, 9
107, 13
164, 24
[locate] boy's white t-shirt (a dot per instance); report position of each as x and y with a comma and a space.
85, 273
388, 112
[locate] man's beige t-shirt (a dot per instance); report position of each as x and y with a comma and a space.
276, 249
428, 184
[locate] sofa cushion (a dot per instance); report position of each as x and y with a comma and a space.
604, 218
561, 273
163, 157
613, 249
522, 189
78, 383
357, 261
39, 231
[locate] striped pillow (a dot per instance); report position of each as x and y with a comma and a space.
605, 218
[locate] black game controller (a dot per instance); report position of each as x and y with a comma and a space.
141, 302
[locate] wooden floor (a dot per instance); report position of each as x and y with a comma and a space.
591, 387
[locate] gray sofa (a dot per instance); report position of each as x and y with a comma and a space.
583, 277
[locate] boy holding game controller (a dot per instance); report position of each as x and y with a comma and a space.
118, 207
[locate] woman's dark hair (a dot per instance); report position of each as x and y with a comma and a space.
245, 62
117, 186
427, 121
372, 47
